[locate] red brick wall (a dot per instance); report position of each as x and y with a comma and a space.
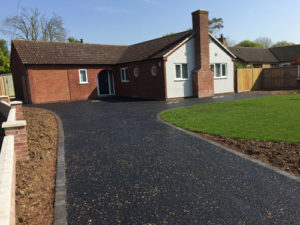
52, 83
84, 91
48, 85
145, 85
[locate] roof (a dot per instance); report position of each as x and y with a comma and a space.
286, 53
154, 48
40, 52
254, 55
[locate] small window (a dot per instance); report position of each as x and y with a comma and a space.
124, 75
219, 70
181, 71
83, 77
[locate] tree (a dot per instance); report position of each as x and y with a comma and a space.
264, 41
31, 25
168, 34
230, 42
249, 44
4, 58
282, 44
215, 25
3, 48
73, 40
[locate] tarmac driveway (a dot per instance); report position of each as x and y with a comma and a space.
123, 166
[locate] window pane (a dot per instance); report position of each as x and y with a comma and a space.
126, 74
212, 68
83, 76
223, 70
178, 71
184, 71
218, 70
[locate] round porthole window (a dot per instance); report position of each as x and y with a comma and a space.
154, 70
136, 72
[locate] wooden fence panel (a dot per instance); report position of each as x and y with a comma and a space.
280, 78
248, 79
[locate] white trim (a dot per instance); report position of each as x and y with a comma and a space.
226, 70
180, 43
187, 70
111, 90
127, 75
86, 74
223, 46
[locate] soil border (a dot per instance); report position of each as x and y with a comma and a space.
60, 199
242, 155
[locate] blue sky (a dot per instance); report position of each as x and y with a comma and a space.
132, 21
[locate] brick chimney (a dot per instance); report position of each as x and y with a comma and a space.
203, 78
222, 39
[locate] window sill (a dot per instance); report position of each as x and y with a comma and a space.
124, 81
179, 80
84, 83
220, 78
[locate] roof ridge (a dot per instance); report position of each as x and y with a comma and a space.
162, 37
68, 43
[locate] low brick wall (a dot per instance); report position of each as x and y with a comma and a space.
14, 147
16, 126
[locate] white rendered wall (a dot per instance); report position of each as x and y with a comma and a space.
180, 88
218, 55
185, 54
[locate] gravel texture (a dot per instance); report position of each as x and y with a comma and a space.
123, 166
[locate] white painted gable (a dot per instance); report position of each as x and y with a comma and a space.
177, 88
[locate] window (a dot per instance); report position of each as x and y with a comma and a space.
181, 71
124, 75
219, 70
83, 77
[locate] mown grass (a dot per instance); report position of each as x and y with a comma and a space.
273, 118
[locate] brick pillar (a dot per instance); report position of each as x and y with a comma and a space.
20, 134
19, 109
16, 126
203, 78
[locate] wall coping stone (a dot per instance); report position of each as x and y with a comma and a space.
7, 158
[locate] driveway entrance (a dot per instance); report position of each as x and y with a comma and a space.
123, 166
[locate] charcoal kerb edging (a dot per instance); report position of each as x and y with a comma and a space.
60, 203
242, 155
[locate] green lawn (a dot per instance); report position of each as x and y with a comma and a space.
275, 118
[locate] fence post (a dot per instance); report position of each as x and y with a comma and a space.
271, 86
252, 79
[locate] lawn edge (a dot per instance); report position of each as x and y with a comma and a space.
242, 155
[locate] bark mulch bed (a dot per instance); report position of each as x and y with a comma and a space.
35, 178
285, 156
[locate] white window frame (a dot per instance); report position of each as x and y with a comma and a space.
87, 79
187, 70
126, 78
223, 76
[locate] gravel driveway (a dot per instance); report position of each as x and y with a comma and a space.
123, 166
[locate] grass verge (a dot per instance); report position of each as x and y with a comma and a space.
270, 118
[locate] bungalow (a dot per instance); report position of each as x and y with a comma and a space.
266, 57
192, 63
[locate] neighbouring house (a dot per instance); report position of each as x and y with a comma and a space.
187, 64
266, 57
